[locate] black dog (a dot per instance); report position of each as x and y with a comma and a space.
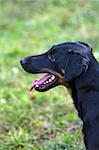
73, 65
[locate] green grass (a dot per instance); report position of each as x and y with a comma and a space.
40, 121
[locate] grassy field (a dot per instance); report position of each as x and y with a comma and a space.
40, 121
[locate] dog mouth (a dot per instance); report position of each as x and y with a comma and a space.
45, 83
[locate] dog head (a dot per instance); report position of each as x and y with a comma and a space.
62, 63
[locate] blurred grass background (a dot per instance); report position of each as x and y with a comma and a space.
40, 121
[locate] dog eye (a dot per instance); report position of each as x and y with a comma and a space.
51, 56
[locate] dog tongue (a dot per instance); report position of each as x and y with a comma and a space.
34, 83
38, 82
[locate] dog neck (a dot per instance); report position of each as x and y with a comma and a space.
81, 87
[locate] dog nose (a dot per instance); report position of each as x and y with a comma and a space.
23, 61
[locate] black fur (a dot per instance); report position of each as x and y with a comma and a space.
75, 65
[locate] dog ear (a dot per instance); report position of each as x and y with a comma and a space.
76, 64
85, 44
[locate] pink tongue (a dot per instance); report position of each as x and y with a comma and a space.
39, 81
33, 85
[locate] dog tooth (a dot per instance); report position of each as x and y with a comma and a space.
53, 77
46, 81
37, 85
50, 80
